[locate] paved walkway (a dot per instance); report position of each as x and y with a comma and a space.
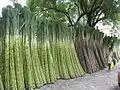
101, 80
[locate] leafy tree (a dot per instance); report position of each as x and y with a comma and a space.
91, 11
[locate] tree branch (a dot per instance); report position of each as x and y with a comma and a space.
63, 12
97, 16
97, 7
93, 13
93, 4
83, 8
99, 20
79, 18
78, 8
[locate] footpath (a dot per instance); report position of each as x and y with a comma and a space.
101, 80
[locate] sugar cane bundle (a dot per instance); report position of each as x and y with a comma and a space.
1, 83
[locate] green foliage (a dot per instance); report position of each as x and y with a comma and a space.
74, 10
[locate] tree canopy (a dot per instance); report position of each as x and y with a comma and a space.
89, 12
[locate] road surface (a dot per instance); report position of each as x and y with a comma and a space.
101, 80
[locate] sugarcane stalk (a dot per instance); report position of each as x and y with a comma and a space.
1, 83
18, 58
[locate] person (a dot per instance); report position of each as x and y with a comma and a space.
110, 59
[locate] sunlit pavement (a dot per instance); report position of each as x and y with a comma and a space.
101, 80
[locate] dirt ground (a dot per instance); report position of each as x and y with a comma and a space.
101, 80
